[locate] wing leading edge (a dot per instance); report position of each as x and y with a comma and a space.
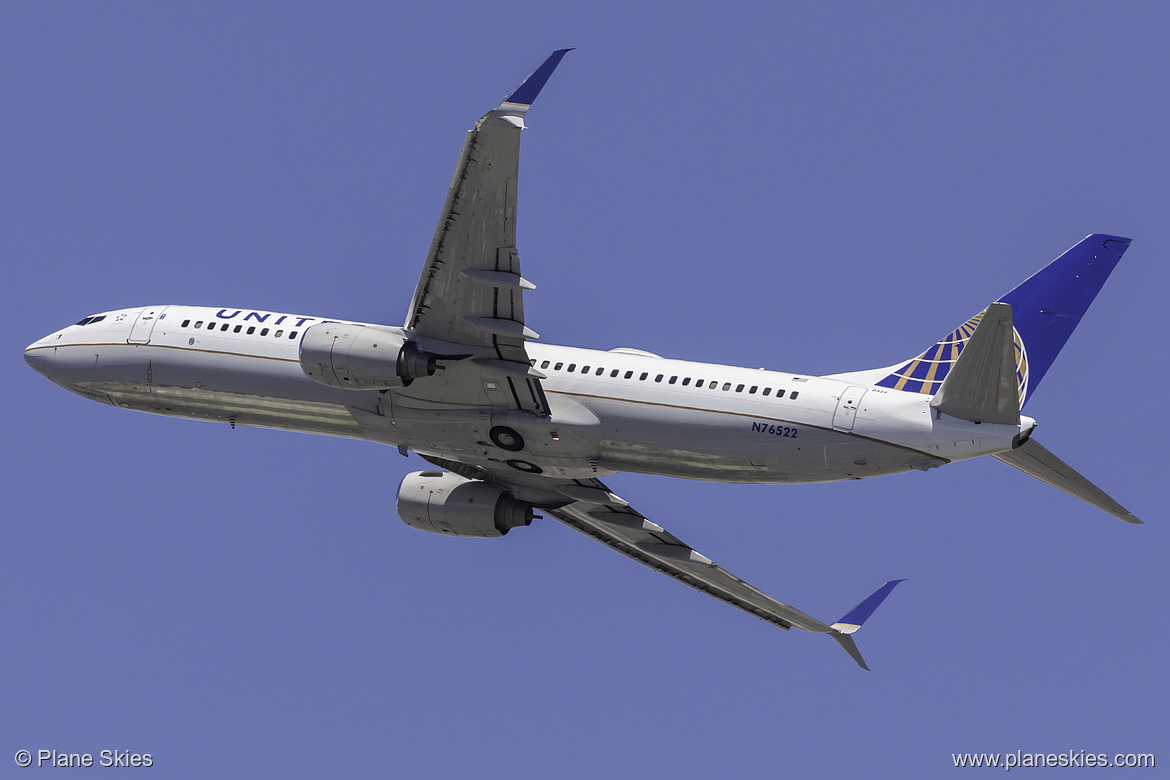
591, 508
610, 520
469, 296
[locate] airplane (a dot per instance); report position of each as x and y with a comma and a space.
514, 427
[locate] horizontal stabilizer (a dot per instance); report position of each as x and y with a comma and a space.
982, 386
1035, 461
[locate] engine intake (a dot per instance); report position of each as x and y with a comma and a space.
444, 503
359, 357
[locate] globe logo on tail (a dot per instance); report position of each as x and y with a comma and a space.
925, 373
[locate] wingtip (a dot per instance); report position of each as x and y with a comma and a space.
526, 93
850, 647
856, 617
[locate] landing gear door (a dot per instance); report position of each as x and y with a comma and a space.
144, 325
847, 408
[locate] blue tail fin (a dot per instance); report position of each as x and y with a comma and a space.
1045, 310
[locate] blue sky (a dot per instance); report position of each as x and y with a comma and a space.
764, 184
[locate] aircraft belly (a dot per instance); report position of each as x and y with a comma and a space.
243, 389
224, 406
732, 447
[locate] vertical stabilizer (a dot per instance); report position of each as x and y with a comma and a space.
1050, 304
1046, 308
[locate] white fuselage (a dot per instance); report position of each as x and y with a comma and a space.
611, 411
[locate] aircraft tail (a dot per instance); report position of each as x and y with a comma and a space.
1045, 309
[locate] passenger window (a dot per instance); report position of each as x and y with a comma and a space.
686, 381
793, 395
767, 391
673, 379
186, 323
727, 386
544, 364
613, 374
738, 388
780, 393
698, 383
199, 324
251, 329
532, 362
629, 374
584, 369
643, 377
264, 331
278, 334
599, 371
572, 367
753, 389
292, 335
557, 367
658, 378
223, 327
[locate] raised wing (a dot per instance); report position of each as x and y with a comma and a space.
470, 290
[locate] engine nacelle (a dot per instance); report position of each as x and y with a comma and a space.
357, 357
444, 503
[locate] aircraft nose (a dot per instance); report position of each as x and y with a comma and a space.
37, 356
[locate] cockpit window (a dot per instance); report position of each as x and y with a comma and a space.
92, 320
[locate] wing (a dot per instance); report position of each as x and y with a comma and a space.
591, 508
469, 295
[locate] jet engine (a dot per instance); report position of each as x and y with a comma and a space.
444, 503
359, 357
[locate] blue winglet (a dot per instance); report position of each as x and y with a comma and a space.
854, 619
524, 94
